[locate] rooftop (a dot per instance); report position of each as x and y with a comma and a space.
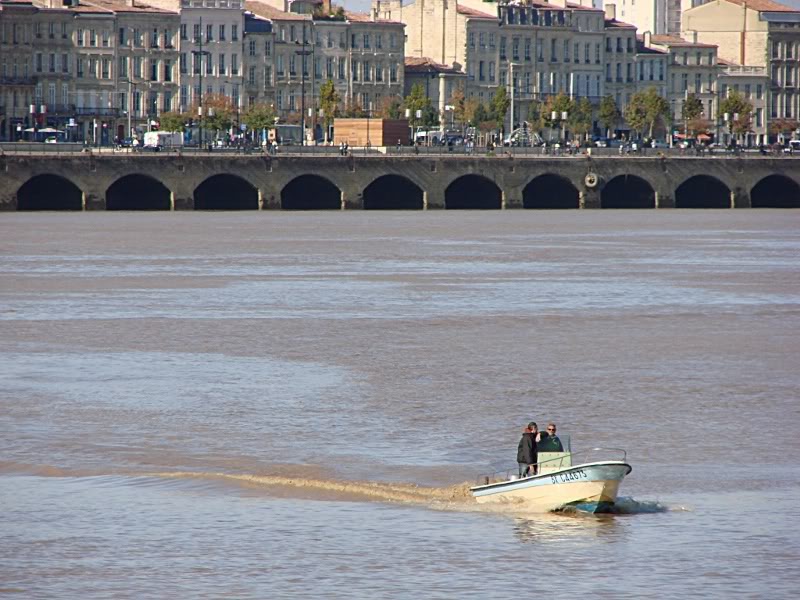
765, 6
673, 40
416, 64
475, 14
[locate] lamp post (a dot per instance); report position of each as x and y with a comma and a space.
730, 119
512, 84
35, 116
561, 117
199, 54
303, 54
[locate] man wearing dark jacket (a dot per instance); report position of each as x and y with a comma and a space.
526, 451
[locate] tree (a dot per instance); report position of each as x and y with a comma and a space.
173, 121
329, 103
736, 104
580, 120
259, 117
609, 114
646, 110
390, 107
479, 115
418, 101
499, 107
219, 111
470, 107
459, 104
783, 126
692, 108
559, 104
535, 116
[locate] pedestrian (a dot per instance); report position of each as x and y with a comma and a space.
399, 144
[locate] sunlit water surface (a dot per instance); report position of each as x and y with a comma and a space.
287, 405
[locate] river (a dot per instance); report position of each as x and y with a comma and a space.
281, 405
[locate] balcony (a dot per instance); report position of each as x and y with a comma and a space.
17, 81
101, 111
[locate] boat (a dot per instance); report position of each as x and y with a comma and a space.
561, 483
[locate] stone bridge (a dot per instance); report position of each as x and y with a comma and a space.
145, 181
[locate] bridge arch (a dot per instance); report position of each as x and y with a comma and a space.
703, 191
226, 192
138, 192
49, 192
550, 191
473, 192
393, 192
775, 191
628, 191
311, 192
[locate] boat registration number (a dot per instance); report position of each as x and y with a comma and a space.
575, 475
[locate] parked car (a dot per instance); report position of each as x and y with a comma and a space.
601, 143
658, 144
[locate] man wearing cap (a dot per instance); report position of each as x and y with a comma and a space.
526, 450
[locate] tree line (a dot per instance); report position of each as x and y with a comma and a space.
646, 113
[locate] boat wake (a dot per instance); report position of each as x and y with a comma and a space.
288, 483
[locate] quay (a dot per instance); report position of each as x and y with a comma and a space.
94, 180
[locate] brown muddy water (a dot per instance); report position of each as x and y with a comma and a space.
285, 405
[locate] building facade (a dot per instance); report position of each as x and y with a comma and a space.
362, 55
756, 33
661, 17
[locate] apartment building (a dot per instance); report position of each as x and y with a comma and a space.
661, 17
755, 33
438, 81
363, 55
537, 49
753, 83
621, 52
652, 65
693, 69
259, 43
147, 66
69, 66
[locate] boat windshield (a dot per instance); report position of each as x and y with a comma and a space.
547, 445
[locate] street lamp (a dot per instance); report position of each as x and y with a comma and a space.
303, 54
512, 83
35, 116
730, 119
555, 117
199, 54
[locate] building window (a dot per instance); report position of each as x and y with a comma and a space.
471, 39
222, 33
234, 32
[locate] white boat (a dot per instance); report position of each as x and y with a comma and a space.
559, 484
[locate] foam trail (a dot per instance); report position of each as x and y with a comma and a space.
388, 492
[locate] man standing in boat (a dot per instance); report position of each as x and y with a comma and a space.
526, 450
549, 441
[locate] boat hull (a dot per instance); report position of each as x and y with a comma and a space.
590, 487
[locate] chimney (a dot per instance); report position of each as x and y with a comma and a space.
587, 3
131, 3
326, 7
611, 12
648, 39
694, 36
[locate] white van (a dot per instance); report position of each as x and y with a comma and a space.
163, 139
